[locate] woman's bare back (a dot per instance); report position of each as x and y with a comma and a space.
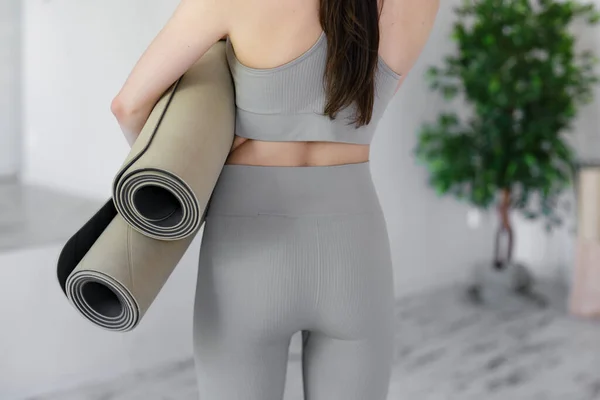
269, 33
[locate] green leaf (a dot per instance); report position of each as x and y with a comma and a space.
489, 40
494, 86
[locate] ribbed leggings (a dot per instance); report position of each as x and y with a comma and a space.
289, 249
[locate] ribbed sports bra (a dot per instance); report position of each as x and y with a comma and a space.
286, 103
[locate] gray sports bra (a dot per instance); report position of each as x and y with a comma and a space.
286, 103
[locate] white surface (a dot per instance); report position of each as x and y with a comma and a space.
46, 345
76, 57
10, 82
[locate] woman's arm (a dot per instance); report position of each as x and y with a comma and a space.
406, 26
194, 27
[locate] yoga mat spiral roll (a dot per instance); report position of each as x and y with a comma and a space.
109, 270
118, 272
158, 189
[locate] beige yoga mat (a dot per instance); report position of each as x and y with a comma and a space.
164, 185
109, 270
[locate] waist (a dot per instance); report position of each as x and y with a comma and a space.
296, 154
246, 190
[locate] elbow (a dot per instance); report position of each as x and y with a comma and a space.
126, 110
130, 118
120, 110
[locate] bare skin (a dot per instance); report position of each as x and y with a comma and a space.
264, 34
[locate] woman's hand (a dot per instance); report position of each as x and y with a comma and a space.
194, 27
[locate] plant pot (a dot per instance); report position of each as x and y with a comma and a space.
489, 284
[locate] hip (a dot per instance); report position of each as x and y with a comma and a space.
314, 238
311, 220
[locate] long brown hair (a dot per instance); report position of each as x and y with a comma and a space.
352, 30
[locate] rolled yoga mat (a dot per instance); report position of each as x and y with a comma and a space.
110, 271
163, 187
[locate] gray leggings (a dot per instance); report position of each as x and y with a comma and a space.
290, 249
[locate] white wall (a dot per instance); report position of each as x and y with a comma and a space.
77, 54
10, 96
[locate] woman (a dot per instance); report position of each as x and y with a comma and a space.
294, 238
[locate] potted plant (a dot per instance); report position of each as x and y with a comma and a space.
518, 71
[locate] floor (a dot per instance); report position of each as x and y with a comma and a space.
446, 347
34, 216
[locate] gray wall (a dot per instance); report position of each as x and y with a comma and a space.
10, 107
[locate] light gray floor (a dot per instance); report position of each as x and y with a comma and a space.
34, 216
446, 349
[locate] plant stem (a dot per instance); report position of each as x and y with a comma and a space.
504, 229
